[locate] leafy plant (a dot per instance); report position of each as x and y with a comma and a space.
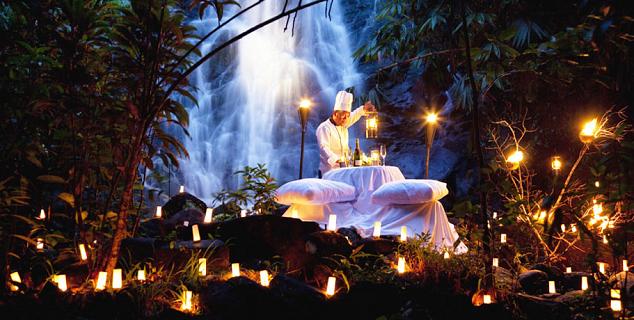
257, 191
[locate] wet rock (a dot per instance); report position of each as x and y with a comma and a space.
182, 201
534, 281
139, 249
553, 272
327, 243
624, 281
541, 308
186, 217
504, 278
572, 281
571, 298
379, 246
238, 298
297, 298
352, 235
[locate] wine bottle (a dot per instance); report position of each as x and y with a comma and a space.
357, 155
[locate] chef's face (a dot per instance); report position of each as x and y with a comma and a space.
340, 117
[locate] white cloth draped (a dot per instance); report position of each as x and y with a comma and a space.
429, 217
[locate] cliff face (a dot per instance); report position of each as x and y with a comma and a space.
402, 109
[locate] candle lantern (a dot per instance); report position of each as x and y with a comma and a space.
446, 255
602, 267
42, 215
208, 215
556, 164
264, 278
584, 283
101, 280
551, 287
568, 270
330, 288
401, 265
503, 238
195, 233
15, 277
235, 269
371, 125
304, 107
496, 262
39, 244
377, 229
404, 233
589, 131
615, 293
615, 305
187, 301
243, 213
61, 282
181, 189
117, 281
82, 252
626, 268
140, 275
159, 211
202, 266
486, 299
332, 222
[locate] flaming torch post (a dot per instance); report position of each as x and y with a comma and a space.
303, 109
431, 120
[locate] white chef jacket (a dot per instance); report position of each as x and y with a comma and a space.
333, 140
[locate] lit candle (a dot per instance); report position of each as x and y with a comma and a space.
495, 262
377, 229
401, 265
243, 213
42, 215
615, 305
332, 222
39, 244
404, 233
159, 211
181, 189
556, 163
187, 304
15, 277
208, 215
264, 278
446, 255
601, 267
101, 280
495, 215
294, 214
503, 238
597, 183
584, 283
568, 269
563, 228
117, 281
195, 233
202, 266
82, 252
140, 275
371, 126
235, 269
589, 131
615, 293
61, 282
330, 288
486, 299
625, 266
551, 287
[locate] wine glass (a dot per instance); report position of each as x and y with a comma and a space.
383, 152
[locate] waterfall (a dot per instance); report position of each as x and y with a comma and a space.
248, 96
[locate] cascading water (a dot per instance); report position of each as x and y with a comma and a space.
248, 96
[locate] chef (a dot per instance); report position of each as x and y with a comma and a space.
332, 134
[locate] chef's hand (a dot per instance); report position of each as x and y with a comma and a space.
369, 107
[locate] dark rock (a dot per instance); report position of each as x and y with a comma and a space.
504, 279
152, 228
297, 298
368, 300
327, 243
352, 235
379, 246
238, 298
178, 253
553, 272
190, 216
534, 281
534, 307
182, 201
624, 281
571, 298
572, 281
138, 249
263, 237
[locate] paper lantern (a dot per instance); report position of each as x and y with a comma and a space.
117, 281
15, 277
332, 222
563, 228
42, 215
39, 244
140, 275
330, 288
82, 252
446, 255
235, 269
243, 213
601, 267
202, 266
495, 215
195, 233
568, 269
264, 278
584, 283
403, 233
377, 229
208, 215
486, 299
401, 265
187, 303
181, 189
503, 238
573, 228
61, 282
615, 293
551, 287
102, 277
626, 268
597, 184
159, 211
496, 262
